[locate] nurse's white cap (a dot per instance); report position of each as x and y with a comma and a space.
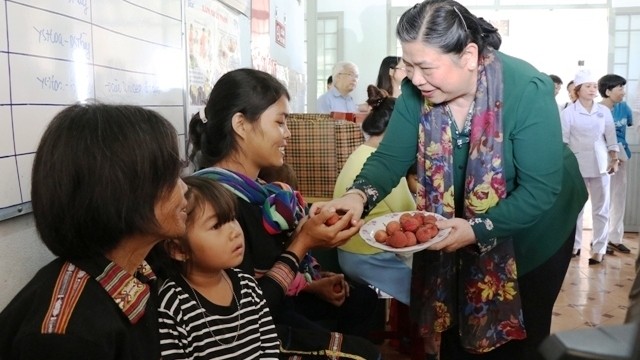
584, 76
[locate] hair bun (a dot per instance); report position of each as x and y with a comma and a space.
376, 96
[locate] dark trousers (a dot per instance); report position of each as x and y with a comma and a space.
354, 317
305, 323
539, 290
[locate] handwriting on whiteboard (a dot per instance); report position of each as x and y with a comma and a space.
52, 37
131, 87
82, 3
50, 82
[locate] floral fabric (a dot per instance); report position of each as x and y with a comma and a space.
476, 290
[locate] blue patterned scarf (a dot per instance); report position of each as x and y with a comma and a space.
282, 207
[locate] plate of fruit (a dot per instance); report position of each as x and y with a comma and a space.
403, 232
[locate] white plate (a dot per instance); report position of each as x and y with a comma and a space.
369, 229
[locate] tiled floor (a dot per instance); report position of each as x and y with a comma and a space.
597, 294
590, 296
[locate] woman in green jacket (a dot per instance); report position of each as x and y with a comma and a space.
484, 128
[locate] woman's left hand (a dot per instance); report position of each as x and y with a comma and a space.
461, 235
332, 289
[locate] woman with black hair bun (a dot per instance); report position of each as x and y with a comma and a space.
360, 261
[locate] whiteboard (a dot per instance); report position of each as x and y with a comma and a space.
55, 53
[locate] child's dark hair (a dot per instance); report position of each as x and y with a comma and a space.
202, 192
381, 108
556, 79
413, 169
284, 173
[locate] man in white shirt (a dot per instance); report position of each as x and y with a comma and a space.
338, 98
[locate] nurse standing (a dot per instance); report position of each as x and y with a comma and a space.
588, 129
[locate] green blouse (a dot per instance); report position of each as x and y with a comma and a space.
545, 191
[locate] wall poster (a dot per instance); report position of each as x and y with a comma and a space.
213, 46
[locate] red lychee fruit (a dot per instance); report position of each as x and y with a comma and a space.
422, 234
410, 224
429, 219
411, 238
381, 236
337, 287
397, 240
433, 230
332, 220
392, 227
404, 217
419, 217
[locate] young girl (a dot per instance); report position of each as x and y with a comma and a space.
208, 309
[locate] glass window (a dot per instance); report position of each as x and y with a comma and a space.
622, 22
633, 97
331, 25
627, 60
635, 22
330, 41
634, 56
621, 55
621, 38
620, 69
331, 57
327, 50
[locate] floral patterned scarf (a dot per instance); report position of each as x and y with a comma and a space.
477, 291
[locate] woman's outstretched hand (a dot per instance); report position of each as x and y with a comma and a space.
460, 236
347, 203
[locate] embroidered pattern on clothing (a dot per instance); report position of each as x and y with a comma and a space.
371, 193
281, 274
129, 293
71, 281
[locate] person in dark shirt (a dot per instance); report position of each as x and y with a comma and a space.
105, 188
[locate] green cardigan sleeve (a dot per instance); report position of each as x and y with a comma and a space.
397, 150
533, 154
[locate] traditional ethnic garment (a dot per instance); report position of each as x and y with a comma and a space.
282, 209
478, 290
